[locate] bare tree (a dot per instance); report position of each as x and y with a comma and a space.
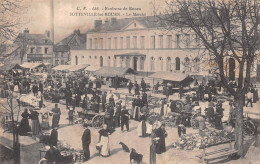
226, 29
12, 109
10, 19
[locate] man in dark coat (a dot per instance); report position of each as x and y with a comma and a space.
143, 85
86, 140
68, 97
35, 89
201, 91
116, 82
53, 155
144, 99
136, 88
41, 87
117, 114
104, 100
112, 101
130, 86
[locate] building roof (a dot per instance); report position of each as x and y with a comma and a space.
61, 48
119, 24
114, 71
38, 39
61, 67
75, 41
10, 66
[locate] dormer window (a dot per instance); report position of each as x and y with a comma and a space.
32, 50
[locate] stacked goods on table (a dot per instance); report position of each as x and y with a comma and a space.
29, 100
205, 138
170, 120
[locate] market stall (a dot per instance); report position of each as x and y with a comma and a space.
35, 67
115, 75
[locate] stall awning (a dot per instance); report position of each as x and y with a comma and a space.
114, 71
77, 67
172, 76
92, 69
33, 65
8, 67
61, 67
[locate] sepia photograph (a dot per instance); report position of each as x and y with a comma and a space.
129, 81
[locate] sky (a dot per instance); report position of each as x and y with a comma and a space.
37, 16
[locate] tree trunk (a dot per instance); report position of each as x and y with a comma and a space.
239, 126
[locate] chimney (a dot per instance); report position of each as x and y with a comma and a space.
113, 20
26, 31
77, 31
47, 33
98, 23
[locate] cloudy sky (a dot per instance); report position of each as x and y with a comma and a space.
38, 14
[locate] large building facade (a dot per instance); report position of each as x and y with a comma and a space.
141, 43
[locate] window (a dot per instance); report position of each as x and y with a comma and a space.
177, 41
196, 65
177, 63
32, 50
169, 41
187, 42
160, 41
168, 64
89, 57
45, 40
186, 64
135, 42
127, 62
121, 61
152, 42
62, 62
135, 24
95, 43
197, 40
90, 43
82, 57
46, 50
121, 43
101, 61
128, 42
142, 63
108, 61
142, 42
101, 43
109, 43
152, 64
160, 64
95, 57
76, 60
115, 42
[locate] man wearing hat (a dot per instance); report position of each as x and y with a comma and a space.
124, 118
86, 140
70, 114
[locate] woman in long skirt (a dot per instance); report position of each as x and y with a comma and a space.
160, 133
24, 125
153, 146
104, 141
141, 129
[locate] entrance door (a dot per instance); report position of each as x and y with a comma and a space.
135, 63
232, 66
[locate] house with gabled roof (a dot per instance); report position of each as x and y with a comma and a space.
37, 48
75, 41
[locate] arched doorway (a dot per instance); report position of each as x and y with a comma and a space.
101, 61
232, 66
76, 60
135, 63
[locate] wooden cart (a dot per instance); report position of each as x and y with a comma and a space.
96, 119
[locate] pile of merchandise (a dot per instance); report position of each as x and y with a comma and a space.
170, 120
199, 140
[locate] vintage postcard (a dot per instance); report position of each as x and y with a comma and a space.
129, 81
